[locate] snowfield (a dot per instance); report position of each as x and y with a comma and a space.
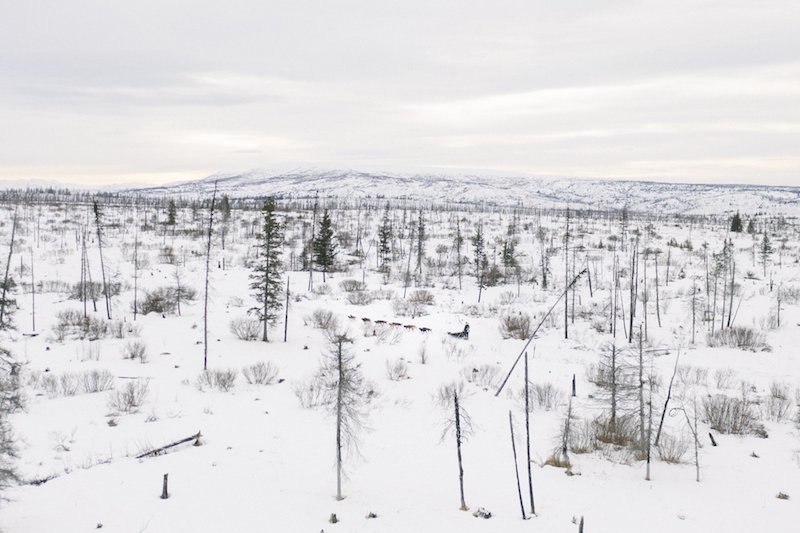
265, 462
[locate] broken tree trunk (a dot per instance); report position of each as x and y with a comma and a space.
163, 449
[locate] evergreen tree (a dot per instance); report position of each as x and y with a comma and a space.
11, 400
225, 208
751, 227
736, 223
421, 238
385, 242
171, 213
481, 261
266, 279
765, 250
324, 246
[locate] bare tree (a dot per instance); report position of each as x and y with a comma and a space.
344, 397
458, 423
99, 228
208, 265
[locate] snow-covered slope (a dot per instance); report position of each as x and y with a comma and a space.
547, 192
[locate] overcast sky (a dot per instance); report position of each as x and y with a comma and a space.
100, 91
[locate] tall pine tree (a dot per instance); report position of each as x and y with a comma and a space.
266, 279
325, 246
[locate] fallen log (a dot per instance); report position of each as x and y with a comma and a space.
163, 449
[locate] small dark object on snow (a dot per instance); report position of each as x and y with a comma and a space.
281, 380
482, 513
372, 515
164, 491
710, 436
46, 348
333, 518
305, 347
99, 525
461, 334
425, 330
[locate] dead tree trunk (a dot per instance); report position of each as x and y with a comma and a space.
516, 467
99, 228
3, 301
458, 449
208, 268
528, 436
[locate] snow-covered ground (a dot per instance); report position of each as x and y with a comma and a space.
266, 463
545, 192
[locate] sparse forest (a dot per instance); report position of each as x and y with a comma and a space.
265, 352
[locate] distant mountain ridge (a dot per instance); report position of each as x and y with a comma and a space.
502, 190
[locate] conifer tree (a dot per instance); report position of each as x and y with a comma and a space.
385, 242
172, 213
736, 223
478, 247
422, 236
266, 278
324, 245
765, 250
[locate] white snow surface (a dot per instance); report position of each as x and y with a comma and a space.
267, 464
645, 196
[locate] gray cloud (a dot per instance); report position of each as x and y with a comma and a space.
98, 91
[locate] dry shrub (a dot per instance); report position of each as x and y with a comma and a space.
671, 449
310, 392
516, 326
778, 404
246, 328
397, 370
359, 298
260, 373
484, 376
97, 381
220, 379
322, 319
136, 350
352, 285
731, 415
723, 378
129, 398
740, 337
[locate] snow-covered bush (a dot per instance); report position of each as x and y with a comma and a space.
260, 373
97, 381
309, 392
246, 328
135, 350
672, 449
484, 376
221, 379
516, 326
397, 370
130, 397
352, 285
739, 337
731, 415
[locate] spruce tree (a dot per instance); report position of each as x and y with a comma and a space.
481, 262
266, 279
171, 213
765, 250
324, 246
385, 242
736, 223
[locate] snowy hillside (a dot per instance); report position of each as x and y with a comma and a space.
547, 192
